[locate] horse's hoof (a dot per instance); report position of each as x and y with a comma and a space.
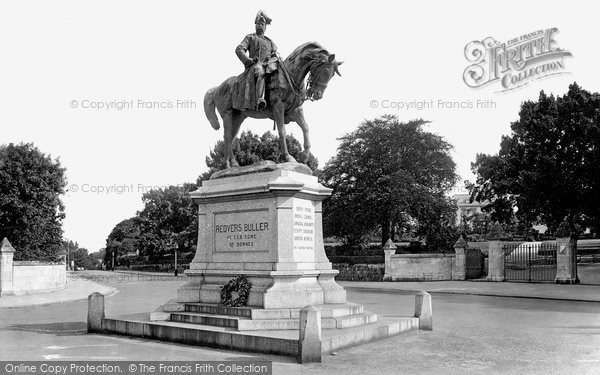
304, 157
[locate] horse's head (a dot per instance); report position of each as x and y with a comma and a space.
321, 71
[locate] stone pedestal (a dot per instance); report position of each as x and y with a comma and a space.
566, 261
266, 225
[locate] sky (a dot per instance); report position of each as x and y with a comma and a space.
62, 60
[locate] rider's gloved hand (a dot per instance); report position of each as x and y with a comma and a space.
250, 62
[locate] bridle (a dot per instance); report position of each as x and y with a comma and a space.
311, 82
314, 81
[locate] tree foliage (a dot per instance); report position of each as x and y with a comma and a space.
249, 148
388, 175
31, 211
169, 220
548, 169
123, 239
78, 255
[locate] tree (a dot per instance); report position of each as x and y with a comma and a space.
122, 239
249, 148
548, 170
78, 255
169, 220
31, 211
83, 259
388, 174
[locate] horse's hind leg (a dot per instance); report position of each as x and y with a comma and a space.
228, 135
299, 119
231, 122
236, 122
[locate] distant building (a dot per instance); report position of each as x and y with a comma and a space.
465, 208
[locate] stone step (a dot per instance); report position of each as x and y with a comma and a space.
247, 324
282, 342
335, 311
268, 324
239, 323
217, 310
216, 337
207, 319
327, 310
348, 321
335, 339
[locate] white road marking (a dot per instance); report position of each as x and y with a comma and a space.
58, 356
52, 356
55, 347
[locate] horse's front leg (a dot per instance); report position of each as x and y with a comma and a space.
301, 121
278, 113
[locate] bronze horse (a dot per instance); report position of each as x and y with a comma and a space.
285, 95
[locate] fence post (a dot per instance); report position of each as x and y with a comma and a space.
566, 261
389, 249
309, 344
459, 271
424, 311
6, 268
495, 261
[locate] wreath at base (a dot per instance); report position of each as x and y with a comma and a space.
239, 284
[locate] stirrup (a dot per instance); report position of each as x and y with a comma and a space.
261, 105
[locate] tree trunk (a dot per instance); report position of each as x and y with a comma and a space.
385, 231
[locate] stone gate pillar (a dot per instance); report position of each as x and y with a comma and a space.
6, 268
495, 261
566, 261
389, 249
459, 272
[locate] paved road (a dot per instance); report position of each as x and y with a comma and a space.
472, 335
589, 273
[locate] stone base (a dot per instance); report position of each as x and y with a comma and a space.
282, 342
274, 289
334, 316
274, 331
560, 280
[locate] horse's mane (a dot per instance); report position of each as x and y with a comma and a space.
309, 48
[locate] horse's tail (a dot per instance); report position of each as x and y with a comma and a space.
210, 108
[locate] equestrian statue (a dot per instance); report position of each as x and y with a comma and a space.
270, 88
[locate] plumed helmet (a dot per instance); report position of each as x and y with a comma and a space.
262, 16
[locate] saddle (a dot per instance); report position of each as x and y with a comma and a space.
244, 88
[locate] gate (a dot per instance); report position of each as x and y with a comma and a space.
474, 263
530, 261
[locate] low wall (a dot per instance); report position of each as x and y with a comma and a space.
34, 277
359, 272
421, 267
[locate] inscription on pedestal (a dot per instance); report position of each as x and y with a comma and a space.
242, 230
303, 226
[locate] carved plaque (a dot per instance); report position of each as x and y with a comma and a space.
247, 230
303, 226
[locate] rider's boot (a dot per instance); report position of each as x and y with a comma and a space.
260, 94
